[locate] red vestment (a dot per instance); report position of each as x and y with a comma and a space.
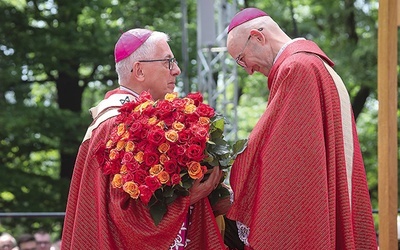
301, 183
99, 217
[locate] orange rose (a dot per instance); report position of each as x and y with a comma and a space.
130, 146
156, 169
142, 106
121, 129
153, 120
163, 158
117, 181
171, 135
125, 135
195, 170
163, 148
113, 154
132, 189
188, 100
123, 169
171, 96
139, 156
120, 145
163, 176
161, 124
204, 120
178, 126
190, 109
109, 143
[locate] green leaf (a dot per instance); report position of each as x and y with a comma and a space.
172, 198
168, 192
157, 212
186, 181
221, 150
239, 147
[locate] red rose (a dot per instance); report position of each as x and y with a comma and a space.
179, 104
183, 159
152, 182
111, 167
192, 118
198, 141
164, 108
132, 166
156, 135
127, 107
205, 110
169, 120
175, 151
197, 97
150, 158
200, 131
141, 145
184, 136
130, 176
145, 194
128, 157
140, 176
136, 130
195, 152
175, 179
171, 166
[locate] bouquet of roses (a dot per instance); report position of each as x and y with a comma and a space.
158, 148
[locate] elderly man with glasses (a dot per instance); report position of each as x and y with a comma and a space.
7, 242
300, 183
100, 217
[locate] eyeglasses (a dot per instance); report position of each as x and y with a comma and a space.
171, 62
43, 242
7, 247
239, 58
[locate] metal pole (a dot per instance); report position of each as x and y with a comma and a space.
32, 214
185, 54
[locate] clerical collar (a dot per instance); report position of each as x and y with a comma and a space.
285, 45
129, 90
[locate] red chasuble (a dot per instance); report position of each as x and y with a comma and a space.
99, 217
301, 183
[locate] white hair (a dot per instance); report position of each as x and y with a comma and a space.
8, 237
145, 51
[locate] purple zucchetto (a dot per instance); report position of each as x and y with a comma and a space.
244, 16
128, 43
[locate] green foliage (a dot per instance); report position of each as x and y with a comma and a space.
221, 153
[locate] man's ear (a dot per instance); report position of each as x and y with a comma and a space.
258, 35
137, 71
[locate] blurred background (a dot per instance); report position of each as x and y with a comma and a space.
56, 61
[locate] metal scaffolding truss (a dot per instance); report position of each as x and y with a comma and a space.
217, 71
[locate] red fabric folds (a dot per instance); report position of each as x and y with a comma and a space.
290, 185
101, 217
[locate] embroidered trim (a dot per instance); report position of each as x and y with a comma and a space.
181, 241
106, 109
243, 232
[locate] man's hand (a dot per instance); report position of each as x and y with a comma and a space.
200, 189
